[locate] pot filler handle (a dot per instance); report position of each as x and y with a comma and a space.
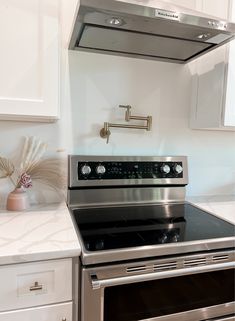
98, 284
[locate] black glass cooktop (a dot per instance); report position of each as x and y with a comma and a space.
130, 226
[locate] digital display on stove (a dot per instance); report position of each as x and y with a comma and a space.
131, 226
129, 170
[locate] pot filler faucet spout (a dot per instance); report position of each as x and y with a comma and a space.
105, 131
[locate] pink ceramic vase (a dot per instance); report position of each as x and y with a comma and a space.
18, 200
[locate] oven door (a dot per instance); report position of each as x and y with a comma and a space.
230, 318
190, 289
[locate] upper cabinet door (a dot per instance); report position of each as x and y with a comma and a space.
213, 101
229, 104
29, 64
217, 8
189, 4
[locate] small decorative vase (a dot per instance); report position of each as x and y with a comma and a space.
18, 200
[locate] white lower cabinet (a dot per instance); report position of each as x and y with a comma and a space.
37, 291
58, 312
35, 284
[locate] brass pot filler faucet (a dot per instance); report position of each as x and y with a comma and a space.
105, 131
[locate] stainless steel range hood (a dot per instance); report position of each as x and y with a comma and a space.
163, 32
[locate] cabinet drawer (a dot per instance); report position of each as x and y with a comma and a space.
33, 284
58, 312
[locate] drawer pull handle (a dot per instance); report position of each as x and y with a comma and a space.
64, 319
36, 287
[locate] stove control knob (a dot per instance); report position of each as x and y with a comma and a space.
163, 238
85, 170
175, 238
165, 169
100, 170
178, 169
99, 245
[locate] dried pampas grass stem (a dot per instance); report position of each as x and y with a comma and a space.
33, 150
6, 168
50, 171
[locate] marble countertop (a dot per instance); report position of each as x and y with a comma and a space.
220, 206
47, 232
43, 232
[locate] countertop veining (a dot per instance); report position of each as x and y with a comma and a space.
47, 232
41, 233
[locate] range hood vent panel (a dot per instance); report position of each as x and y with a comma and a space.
138, 44
121, 28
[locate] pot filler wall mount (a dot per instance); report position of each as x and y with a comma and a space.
105, 131
164, 32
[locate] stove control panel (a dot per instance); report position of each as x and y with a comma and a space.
92, 170
123, 171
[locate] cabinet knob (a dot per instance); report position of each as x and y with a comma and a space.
64, 319
36, 287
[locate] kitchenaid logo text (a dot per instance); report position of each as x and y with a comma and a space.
166, 15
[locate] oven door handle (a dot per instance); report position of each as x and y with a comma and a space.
98, 284
230, 318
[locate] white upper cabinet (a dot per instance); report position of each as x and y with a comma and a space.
229, 110
29, 64
190, 4
213, 98
216, 8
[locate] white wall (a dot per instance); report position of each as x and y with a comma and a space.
100, 83
94, 85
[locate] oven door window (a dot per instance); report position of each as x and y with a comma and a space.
139, 301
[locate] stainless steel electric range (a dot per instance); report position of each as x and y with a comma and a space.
147, 254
